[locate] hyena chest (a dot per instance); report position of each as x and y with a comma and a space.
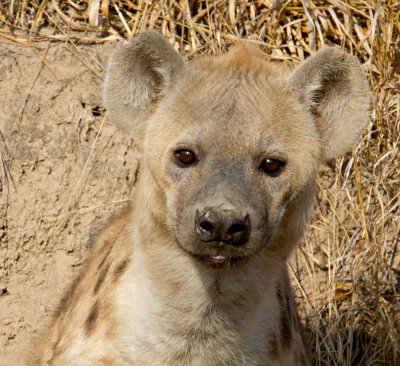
197, 338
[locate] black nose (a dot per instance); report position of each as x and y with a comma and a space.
219, 224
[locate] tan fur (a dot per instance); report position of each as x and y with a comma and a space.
150, 292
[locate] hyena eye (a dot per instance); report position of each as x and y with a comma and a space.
185, 157
271, 166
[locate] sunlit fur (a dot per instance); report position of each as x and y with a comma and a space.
143, 298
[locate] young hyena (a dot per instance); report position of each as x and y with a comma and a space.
194, 272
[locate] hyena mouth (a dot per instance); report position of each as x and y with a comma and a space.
218, 254
218, 258
218, 261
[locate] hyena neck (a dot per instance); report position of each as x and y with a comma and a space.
221, 309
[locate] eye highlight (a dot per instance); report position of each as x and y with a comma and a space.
185, 157
271, 166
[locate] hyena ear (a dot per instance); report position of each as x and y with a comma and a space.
333, 88
138, 76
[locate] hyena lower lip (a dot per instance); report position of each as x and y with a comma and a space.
217, 261
218, 258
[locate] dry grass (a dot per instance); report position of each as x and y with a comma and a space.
347, 270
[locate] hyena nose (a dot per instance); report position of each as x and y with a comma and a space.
216, 224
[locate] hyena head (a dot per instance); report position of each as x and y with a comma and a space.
231, 144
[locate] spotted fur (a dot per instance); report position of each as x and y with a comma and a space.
154, 291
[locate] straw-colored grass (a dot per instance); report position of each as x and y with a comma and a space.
347, 270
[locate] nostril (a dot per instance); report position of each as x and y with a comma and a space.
236, 228
238, 232
206, 225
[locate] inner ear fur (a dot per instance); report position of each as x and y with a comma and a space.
332, 86
138, 76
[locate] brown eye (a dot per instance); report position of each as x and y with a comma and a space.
271, 166
185, 157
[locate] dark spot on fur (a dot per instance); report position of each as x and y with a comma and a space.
286, 331
90, 323
279, 295
102, 262
107, 247
120, 270
66, 299
285, 317
100, 279
273, 347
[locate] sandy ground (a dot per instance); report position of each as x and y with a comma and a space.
59, 191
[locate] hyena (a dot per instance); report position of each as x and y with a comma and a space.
193, 272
